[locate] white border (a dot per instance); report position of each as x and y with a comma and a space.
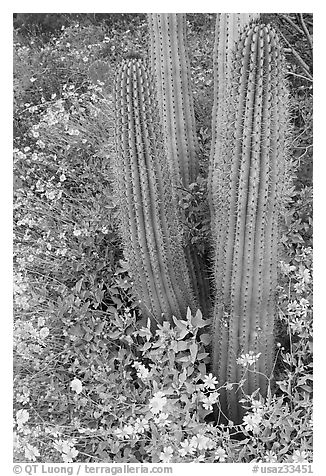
319, 188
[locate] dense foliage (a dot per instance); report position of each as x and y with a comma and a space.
91, 384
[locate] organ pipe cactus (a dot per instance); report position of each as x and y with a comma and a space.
247, 182
148, 214
171, 71
248, 190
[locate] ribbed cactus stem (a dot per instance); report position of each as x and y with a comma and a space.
228, 28
248, 182
171, 71
147, 207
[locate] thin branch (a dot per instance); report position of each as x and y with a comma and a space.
291, 22
303, 64
299, 159
299, 76
298, 137
30, 270
304, 26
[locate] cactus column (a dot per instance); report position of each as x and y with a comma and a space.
228, 29
148, 217
171, 71
248, 183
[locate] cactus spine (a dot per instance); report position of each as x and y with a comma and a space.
247, 191
171, 71
148, 217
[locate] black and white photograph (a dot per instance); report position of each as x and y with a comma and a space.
162, 241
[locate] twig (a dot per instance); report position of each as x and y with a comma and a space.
299, 76
304, 26
291, 22
298, 137
303, 154
302, 63
186, 190
30, 270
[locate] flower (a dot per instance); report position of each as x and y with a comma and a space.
202, 442
76, 232
162, 419
128, 431
207, 405
166, 454
119, 433
141, 425
187, 447
270, 457
67, 449
76, 385
69, 455
300, 456
58, 445
31, 452
304, 274
142, 371
209, 401
24, 397
248, 359
210, 381
22, 416
157, 403
304, 303
286, 268
44, 332
128, 339
297, 326
256, 405
252, 421
16, 441
73, 132
220, 454
50, 194
41, 144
